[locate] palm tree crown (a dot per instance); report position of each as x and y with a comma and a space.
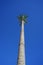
22, 18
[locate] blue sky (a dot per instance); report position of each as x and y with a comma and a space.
10, 31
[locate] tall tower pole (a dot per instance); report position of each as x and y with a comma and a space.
21, 53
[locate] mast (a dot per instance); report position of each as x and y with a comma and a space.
21, 54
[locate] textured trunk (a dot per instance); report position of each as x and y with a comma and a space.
21, 55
